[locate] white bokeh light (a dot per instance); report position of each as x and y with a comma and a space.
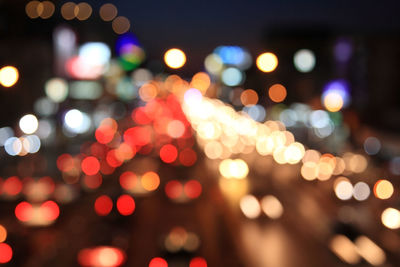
77, 122
28, 124
304, 60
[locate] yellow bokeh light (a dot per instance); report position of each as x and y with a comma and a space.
265, 145
294, 153
267, 62
383, 189
239, 169
370, 251
325, 171
333, 102
309, 170
345, 249
311, 155
213, 150
250, 206
279, 155
340, 166
358, 163
391, 218
236, 168
8, 76
272, 207
175, 58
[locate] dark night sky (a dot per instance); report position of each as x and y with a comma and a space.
200, 26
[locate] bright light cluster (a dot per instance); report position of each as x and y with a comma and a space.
269, 204
351, 251
322, 167
222, 132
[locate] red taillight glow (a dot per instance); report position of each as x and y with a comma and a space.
103, 205
126, 205
101, 257
6, 253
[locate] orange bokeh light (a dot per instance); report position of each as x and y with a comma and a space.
277, 93
150, 181
249, 97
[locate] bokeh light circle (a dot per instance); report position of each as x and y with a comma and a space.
304, 60
175, 58
267, 62
9, 76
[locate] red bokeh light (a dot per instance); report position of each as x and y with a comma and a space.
158, 262
50, 210
128, 180
192, 189
48, 181
104, 134
24, 211
103, 205
187, 157
90, 165
198, 262
101, 257
173, 189
78, 68
93, 181
140, 117
145, 150
126, 205
6, 253
65, 162
98, 150
168, 153
12, 186
137, 136
105, 168
112, 159
125, 152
